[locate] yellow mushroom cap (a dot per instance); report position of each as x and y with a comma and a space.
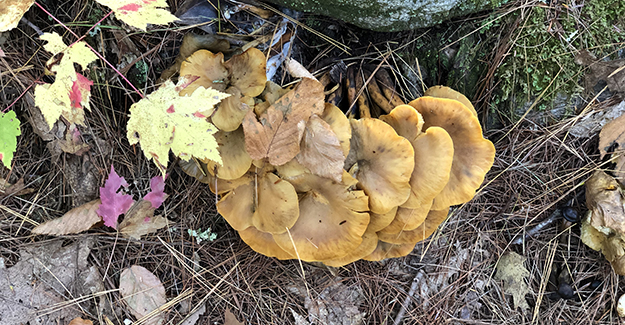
434, 153
266, 202
386, 250
427, 228
473, 155
248, 72
381, 221
198, 170
366, 247
208, 67
405, 220
339, 123
230, 112
406, 121
332, 219
236, 161
446, 92
263, 243
384, 162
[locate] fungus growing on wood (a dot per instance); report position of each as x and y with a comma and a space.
473, 155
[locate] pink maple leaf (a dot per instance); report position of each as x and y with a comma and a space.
113, 203
157, 195
80, 90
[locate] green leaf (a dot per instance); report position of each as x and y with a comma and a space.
9, 130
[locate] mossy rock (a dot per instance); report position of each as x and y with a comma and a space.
391, 15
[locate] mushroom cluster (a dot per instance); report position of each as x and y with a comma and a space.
300, 180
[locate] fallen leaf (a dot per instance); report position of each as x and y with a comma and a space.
11, 12
337, 304
73, 142
143, 292
33, 288
157, 195
511, 271
80, 321
278, 133
140, 220
195, 316
140, 13
321, 151
9, 130
113, 203
69, 93
76, 220
165, 120
609, 71
230, 319
297, 70
18, 188
612, 137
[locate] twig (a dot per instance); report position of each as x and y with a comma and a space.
408, 300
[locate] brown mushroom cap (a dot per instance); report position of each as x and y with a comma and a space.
473, 155
263, 243
446, 92
236, 161
267, 203
384, 162
332, 219
208, 67
368, 245
427, 228
406, 121
248, 72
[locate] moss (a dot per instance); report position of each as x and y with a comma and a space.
544, 46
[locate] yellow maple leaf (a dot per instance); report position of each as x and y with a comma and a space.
165, 120
54, 99
140, 13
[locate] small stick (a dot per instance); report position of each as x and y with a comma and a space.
534, 230
408, 301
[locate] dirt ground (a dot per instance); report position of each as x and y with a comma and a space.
448, 278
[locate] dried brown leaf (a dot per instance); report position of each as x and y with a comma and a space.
18, 188
140, 220
230, 319
278, 133
321, 150
80, 321
143, 292
612, 137
76, 220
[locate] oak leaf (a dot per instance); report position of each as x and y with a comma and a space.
69, 94
165, 120
278, 133
321, 150
511, 271
9, 130
74, 221
140, 13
